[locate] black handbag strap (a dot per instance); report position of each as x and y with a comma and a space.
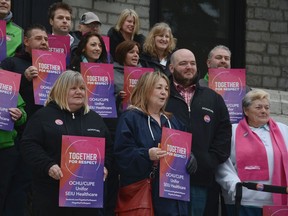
257, 187
153, 170
265, 188
238, 198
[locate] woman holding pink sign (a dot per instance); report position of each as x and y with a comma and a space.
127, 54
66, 113
138, 135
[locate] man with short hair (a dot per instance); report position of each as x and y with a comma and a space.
218, 57
35, 37
205, 115
14, 33
60, 18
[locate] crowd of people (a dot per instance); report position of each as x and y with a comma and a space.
172, 96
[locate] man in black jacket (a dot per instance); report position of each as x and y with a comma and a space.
219, 57
35, 37
205, 115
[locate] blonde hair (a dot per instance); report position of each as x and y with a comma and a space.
256, 94
142, 91
61, 87
158, 29
122, 17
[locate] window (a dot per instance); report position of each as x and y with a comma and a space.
200, 25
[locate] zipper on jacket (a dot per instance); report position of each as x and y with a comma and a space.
73, 116
189, 109
188, 106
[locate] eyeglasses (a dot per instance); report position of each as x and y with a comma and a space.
93, 25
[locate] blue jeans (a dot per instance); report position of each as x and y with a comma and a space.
198, 197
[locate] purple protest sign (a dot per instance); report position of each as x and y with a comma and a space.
106, 40
9, 90
275, 210
82, 164
60, 44
174, 180
99, 79
131, 77
49, 65
231, 84
3, 47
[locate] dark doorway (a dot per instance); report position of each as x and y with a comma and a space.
199, 25
29, 12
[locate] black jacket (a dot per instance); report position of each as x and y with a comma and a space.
208, 121
42, 138
148, 61
116, 38
18, 64
41, 148
77, 35
136, 133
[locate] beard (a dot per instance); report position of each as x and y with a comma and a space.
185, 82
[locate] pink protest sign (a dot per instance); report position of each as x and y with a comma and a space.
100, 86
174, 180
49, 65
131, 77
3, 46
9, 90
82, 164
231, 84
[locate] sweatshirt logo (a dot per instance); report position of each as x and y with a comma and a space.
207, 109
93, 129
58, 122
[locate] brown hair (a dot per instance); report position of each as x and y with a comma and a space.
123, 48
158, 29
143, 90
58, 5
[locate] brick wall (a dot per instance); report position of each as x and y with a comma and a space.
267, 44
108, 11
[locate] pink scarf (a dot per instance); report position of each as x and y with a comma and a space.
251, 157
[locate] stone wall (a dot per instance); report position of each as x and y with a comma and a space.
267, 44
108, 11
